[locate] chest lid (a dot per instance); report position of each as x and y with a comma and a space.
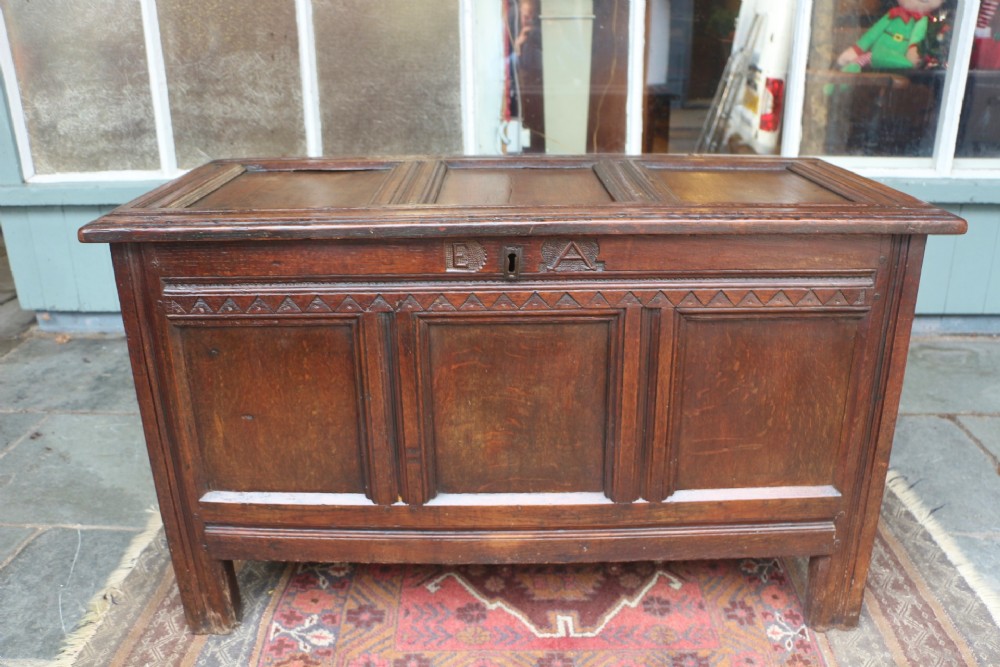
423, 197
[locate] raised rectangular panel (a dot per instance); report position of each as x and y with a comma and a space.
760, 399
519, 404
275, 408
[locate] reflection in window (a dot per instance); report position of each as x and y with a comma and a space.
389, 76
875, 76
715, 75
81, 68
233, 77
565, 76
979, 129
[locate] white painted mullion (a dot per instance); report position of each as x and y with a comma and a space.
885, 167
309, 72
104, 177
795, 80
467, 62
977, 167
158, 87
954, 86
636, 86
17, 119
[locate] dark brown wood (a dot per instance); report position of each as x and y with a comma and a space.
207, 585
537, 546
480, 360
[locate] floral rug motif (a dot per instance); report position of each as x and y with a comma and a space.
919, 610
687, 614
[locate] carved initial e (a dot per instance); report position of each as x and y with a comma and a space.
464, 256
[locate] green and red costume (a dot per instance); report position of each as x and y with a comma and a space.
889, 39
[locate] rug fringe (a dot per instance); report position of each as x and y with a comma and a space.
983, 590
104, 598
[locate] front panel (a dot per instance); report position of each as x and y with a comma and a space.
518, 405
574, 394
274, 407
760, 398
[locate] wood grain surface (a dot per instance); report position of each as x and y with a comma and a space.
530, 360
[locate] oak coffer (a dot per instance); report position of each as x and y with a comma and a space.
519, 360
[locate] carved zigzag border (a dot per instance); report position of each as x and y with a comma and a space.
324, 304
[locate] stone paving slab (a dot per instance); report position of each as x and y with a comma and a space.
13, 320
80, 469
986, 430
11, 537
44, 592
8, 344
953, 376
24, 663
82, 374
955, 479
16, 426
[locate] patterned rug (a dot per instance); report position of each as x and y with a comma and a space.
919, 610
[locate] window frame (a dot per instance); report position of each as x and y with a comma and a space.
942, 164
943, 171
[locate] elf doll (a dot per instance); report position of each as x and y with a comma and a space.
894, 41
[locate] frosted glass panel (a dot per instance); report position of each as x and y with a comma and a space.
81, 68
233, 75
389, 76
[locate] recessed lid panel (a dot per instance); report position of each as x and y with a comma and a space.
708, 186
473, 197
294, 190
522, 187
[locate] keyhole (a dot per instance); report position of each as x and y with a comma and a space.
512, 262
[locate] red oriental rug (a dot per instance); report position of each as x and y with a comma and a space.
919, 610
615, 615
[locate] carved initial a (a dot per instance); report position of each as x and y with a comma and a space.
570, 255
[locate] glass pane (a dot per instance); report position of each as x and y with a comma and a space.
81, 68
715, 75
979, 129
566, 76
875, 76
233, 77
389, 76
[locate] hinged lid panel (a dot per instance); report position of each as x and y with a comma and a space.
415, 198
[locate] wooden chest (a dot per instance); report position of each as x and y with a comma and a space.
552, 360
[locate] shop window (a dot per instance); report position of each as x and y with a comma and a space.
565, 78
153, 87
389, 76
979, 127
84, 88
716, 75
233, 78
875, 77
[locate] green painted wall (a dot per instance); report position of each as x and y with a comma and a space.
961, 274
54, 272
